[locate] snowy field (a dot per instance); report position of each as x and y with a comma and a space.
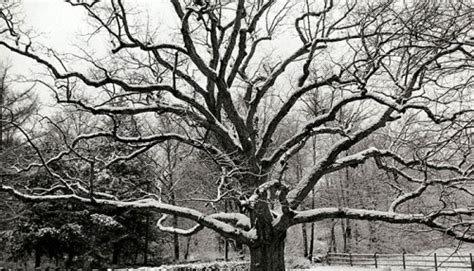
463, 250
340, 268
348, 268
318, 268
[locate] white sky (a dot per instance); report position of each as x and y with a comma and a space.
59, 26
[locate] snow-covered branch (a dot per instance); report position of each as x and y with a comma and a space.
150, 204
390, 217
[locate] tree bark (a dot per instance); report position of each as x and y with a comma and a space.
176, 239
269, 255
305, 240
268, 251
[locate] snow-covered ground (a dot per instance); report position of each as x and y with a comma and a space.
338, 268
348, 268
463, 250
318, 268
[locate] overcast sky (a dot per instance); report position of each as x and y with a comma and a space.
60, 26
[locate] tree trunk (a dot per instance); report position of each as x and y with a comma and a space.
269, 255
147, 229
37, 259
332, 241
2, 90
69, 261
226, 250
305, 240
175, 239
226, 241
346, 234
115, 254
145, 249
239, 247
188, 244
311, 234
175, 225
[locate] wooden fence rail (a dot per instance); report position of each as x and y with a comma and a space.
402, 260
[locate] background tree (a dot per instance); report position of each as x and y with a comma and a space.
19, 106
393, 63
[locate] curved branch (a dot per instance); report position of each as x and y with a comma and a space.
238, 220
195, 229
208, 221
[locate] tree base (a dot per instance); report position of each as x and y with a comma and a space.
268, 256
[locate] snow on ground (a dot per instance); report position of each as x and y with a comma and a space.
337, 268
383, 268
317, 268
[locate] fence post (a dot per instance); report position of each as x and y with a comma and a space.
436, 262
328, 258
472, 262
375, 259
403, 257
350, 258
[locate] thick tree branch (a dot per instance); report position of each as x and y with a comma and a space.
144, 204
390, 217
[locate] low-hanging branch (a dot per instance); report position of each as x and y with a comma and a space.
151, 204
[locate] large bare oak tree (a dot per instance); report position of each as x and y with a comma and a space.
231, 73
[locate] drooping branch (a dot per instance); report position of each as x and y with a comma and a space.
188, 232
145, 204
238, 220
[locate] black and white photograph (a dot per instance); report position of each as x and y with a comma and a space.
237, 135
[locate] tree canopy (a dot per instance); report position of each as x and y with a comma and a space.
385, 84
